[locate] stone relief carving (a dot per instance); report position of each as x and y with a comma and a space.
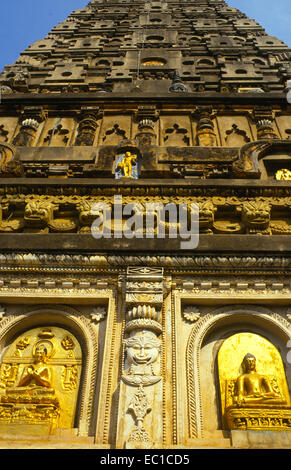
98, 314
10, 165
236, 137
139, 406
142, 351
87, 127
217, 214
191, 313
256, 216
176, 136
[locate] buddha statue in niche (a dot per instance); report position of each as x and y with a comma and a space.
38, 373
254, 388
35, 384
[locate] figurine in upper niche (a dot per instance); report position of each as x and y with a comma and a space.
127, 165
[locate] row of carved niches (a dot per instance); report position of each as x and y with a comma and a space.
39, 381
75, 214
138, 158
92, 127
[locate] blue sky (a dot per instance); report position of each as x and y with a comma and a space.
23, 22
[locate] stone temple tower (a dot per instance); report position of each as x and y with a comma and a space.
121, 325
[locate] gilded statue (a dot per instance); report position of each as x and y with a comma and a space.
38, 373
126, 164
283, 175
39, 380
254, 388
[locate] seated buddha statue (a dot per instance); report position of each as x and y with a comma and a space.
38, 373
35, 384
253, 388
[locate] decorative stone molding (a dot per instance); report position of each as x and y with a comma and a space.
2, 312
139, 406
201, 262
98, 314
191, 313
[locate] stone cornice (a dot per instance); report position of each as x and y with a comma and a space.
269, 263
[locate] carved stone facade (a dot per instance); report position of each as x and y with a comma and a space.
134, 342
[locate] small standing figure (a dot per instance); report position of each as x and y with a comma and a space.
125, 164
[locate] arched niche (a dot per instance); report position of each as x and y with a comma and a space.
250, 367
206, 338
40, 378
69, 322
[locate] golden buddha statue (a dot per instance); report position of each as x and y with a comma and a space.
126, 164
38, 373
35, 384
254, 388
33, 400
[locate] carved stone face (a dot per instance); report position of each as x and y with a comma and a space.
38, 212
256, 213
206, 213
142, 349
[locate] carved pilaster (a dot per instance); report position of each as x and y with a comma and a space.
88, 123
144, 292
146, 116
206, 136
263, 117
30, 119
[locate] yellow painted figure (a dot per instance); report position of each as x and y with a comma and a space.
126, 164
283, 174
254, 388
39, 373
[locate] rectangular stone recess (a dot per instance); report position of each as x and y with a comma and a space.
85, 242
51, 154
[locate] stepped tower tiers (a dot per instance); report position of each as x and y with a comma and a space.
121, 324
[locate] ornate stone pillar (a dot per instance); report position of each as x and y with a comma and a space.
140, 398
